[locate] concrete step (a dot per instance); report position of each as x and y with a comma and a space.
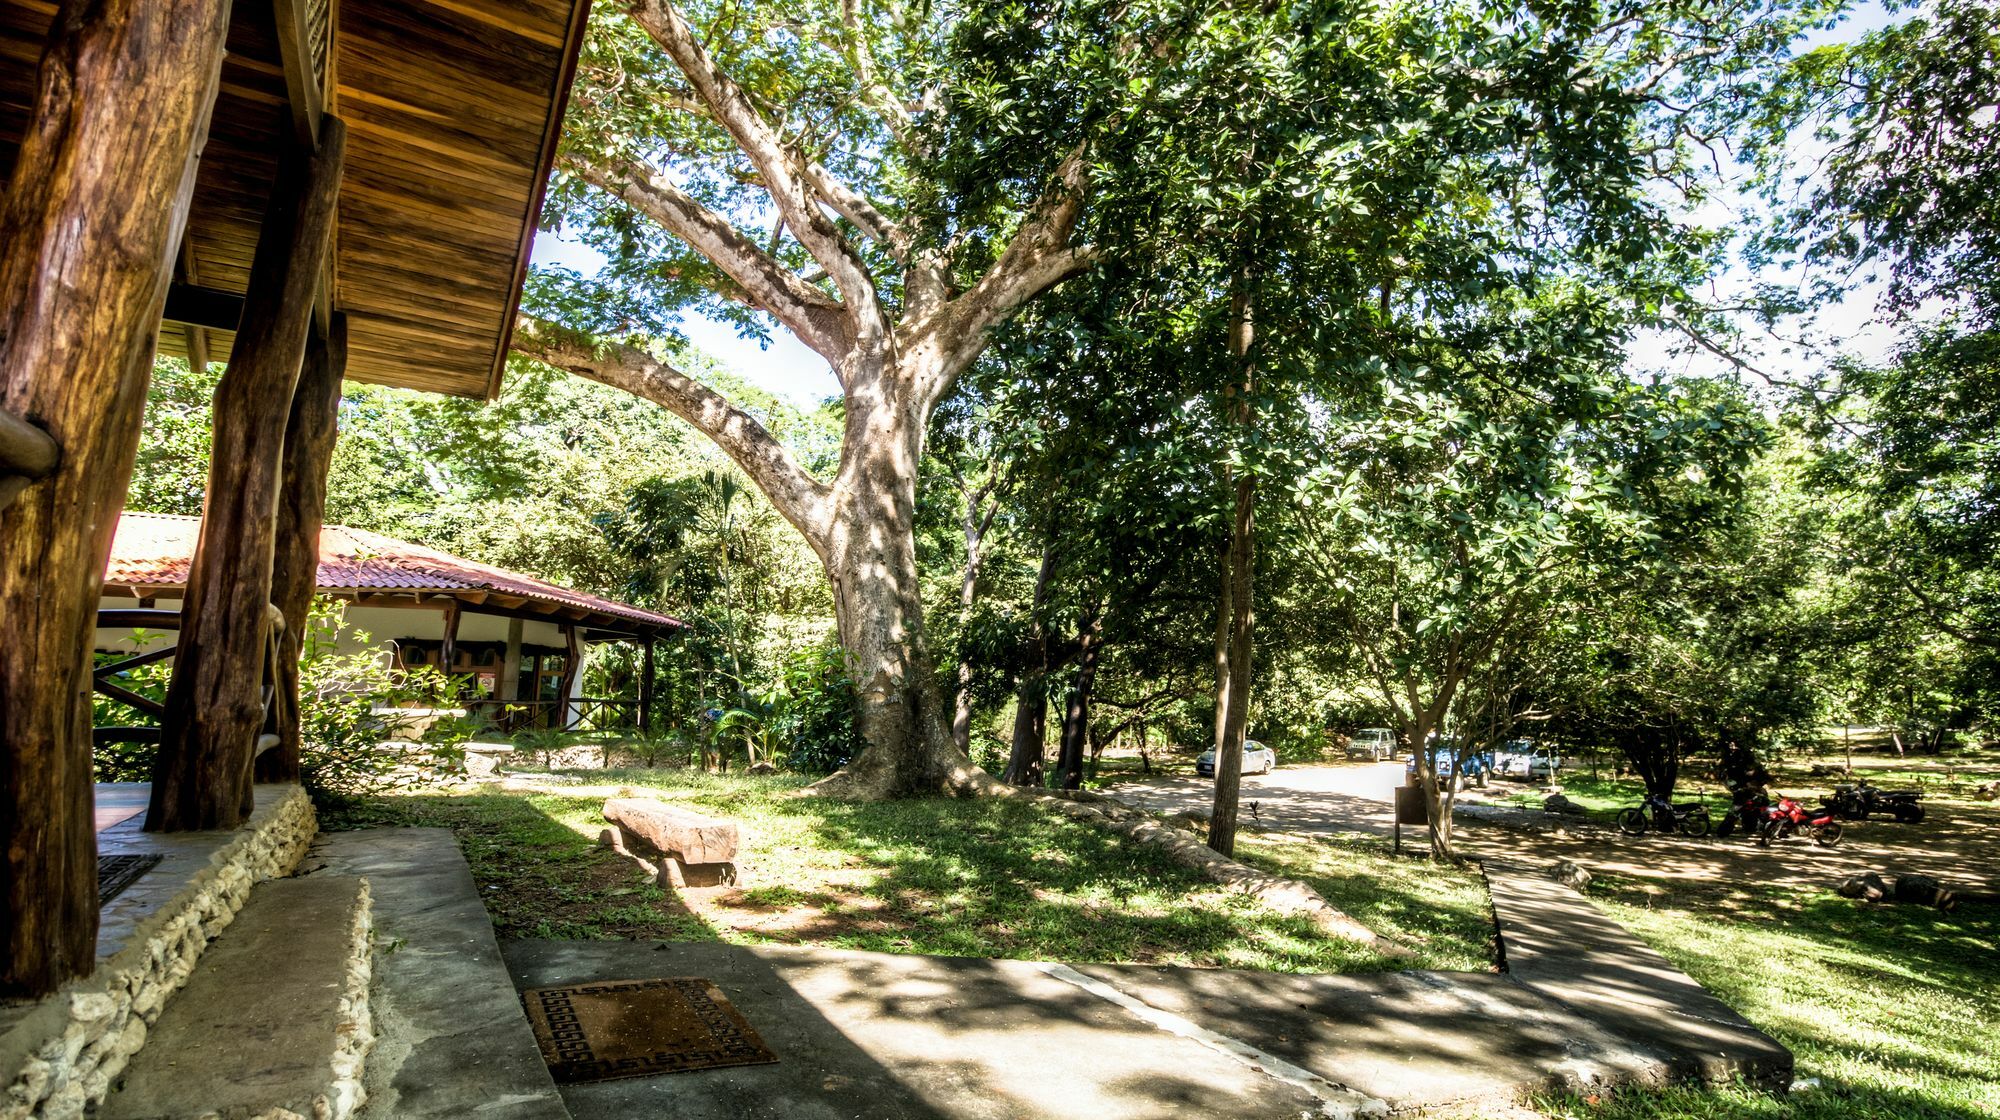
275, 1015
453, 1039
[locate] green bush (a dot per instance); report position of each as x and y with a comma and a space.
360, 720
813, 719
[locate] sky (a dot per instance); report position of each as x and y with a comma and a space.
784, 367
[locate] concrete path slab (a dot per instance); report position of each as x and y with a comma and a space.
891, 1037
249, 1036
453, 1041
1563, 948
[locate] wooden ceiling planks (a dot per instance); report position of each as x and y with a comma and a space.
453, 108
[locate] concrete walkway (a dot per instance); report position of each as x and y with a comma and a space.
1584, 1005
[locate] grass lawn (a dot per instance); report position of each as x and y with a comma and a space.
1603, 797
968, 878
1894, 1009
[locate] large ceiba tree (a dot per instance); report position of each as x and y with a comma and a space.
742, 141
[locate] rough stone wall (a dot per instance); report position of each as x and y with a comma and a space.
356, 1034
101, 1020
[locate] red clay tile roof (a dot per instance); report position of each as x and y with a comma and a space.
153, 550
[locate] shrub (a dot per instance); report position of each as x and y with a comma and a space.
813, 720
360, 718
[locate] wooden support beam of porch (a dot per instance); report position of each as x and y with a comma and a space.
202, 775
97, 202
192, 305
646, 687
310, 432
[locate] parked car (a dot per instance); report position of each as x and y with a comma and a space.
1375, 744
1444, 757
1257, 759
1522, 758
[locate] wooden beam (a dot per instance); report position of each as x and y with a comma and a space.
193, 305
305, 40
97, 201
510, 665
310, 432
202, 774
448, 649
25, 449
572, 665
195, 338
646, 687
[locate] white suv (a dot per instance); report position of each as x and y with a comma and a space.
1373, 743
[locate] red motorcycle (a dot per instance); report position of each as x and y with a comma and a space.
1788, 817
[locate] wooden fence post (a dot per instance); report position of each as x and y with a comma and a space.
215, 703
88, 228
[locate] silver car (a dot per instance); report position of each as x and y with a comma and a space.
1257, 759
1522, 758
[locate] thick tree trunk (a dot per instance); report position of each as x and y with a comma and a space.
1026, 761
215, 703
310, 433
89, 226
1242, 566
1076, 710
1224, 617
870, 556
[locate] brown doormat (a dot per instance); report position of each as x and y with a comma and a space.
638, 1028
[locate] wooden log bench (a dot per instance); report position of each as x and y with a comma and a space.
680, 846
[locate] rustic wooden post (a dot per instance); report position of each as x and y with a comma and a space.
646, 687
202, 775
88, 226
448, 649
310, 433
572, 669
510, 665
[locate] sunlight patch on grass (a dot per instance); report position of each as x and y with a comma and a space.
1892, 1008
991, 878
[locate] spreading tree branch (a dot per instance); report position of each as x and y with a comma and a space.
1038, 257
800, 497
815, 317
784, 172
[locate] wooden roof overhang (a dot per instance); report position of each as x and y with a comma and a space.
596, 626
453, 109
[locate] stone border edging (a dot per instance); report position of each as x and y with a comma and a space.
60, 1058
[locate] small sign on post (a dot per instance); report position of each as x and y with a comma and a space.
1412, 807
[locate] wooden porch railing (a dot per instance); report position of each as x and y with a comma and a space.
593, 713
153, 618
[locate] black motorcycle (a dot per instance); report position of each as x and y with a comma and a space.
1690, 819
1857, 802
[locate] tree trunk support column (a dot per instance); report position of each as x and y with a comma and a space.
88, 228
509, 685
646, 687
310, 433
202, 777
448, 647
572, 673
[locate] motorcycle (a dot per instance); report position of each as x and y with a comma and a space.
1749, 806
1689, 819
1788, 817
1857, 801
